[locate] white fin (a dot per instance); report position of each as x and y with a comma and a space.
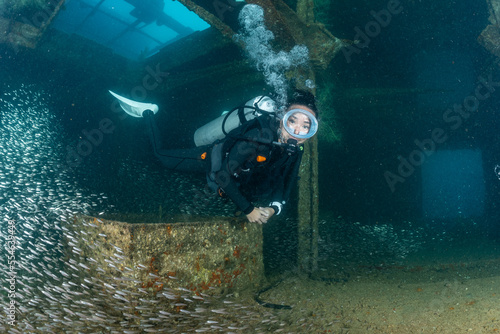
134, 108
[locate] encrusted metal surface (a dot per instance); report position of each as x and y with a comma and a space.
218, 256
490, 37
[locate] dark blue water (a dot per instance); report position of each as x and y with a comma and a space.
410, 181
422, 66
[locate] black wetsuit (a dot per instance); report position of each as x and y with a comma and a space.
245, 165
189, 160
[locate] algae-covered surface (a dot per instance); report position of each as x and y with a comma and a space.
449, 285
212, 256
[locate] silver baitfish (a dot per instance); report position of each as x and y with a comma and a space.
61, 291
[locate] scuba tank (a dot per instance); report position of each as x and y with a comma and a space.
219, 127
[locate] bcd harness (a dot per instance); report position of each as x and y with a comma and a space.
221, 148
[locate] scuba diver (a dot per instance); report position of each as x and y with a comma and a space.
248, 153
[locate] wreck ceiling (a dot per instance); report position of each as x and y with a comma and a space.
151, 31
137, 29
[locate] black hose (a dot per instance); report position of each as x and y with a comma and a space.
269, 305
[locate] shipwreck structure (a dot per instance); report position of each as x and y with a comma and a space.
490, 37
218, 257
26, 25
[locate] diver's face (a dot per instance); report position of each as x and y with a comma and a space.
299, 123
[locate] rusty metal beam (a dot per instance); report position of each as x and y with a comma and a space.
289, 28
47, 23
490, 36
210, 18
26, 34
292, 28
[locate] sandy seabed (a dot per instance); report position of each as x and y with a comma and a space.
453, 289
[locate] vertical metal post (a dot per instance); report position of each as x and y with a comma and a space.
308, 211
307, 256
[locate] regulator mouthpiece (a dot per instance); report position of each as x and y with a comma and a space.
300, 123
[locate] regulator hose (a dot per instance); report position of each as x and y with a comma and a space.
269, 305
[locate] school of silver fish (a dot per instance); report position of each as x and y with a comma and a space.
54, 292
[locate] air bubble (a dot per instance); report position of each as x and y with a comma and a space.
273, 65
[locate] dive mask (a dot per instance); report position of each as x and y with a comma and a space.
292, 119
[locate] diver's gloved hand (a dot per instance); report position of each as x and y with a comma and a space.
260, 215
